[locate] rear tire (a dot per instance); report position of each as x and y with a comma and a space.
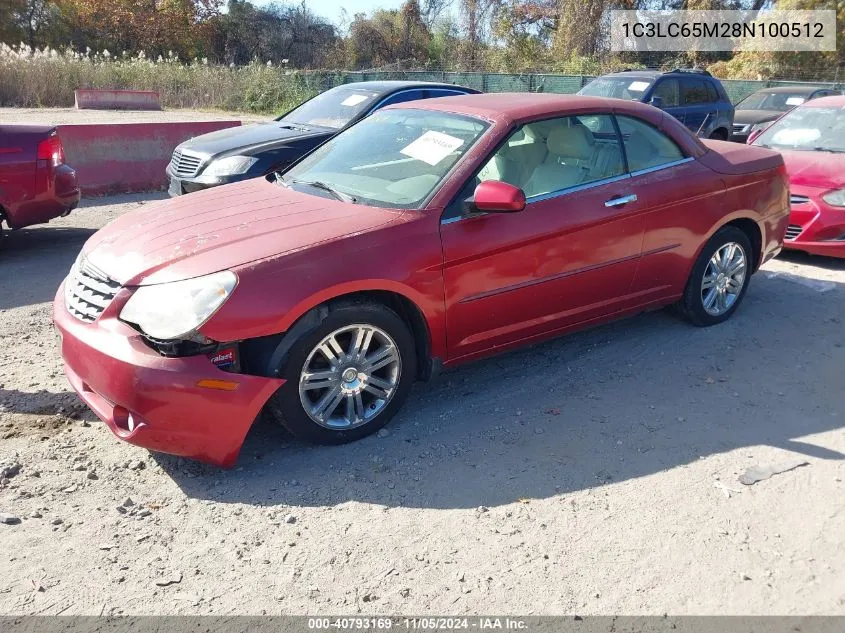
719, 278
346, 378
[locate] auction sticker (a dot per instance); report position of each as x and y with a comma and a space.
354, 100
432, 147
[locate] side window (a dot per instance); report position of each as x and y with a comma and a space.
712, 93
694, 91
402, 97
668, 91
645, 145
546, 156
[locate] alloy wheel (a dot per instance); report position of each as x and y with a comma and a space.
723, 279
350, 376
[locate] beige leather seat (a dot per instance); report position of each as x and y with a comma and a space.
568, 162
515, 162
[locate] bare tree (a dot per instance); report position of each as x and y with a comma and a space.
476, 16
430, 10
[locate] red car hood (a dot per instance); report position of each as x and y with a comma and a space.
823, 170
220, 228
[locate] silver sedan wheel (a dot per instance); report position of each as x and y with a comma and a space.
723, 279
350, 377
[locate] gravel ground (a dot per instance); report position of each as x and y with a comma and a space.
64, 116
594, 474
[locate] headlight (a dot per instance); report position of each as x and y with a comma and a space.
230, 166
173, 310
835, 198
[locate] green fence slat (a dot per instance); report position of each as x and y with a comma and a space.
737, 89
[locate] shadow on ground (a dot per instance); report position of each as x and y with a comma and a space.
622, 401
40, 256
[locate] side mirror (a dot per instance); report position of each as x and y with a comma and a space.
493, 196
657, 102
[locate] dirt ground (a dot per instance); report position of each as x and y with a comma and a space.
64, 116
594, 474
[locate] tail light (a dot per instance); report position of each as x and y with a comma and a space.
51, 151
49, 155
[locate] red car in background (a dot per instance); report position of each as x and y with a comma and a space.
811, 139
430, 233
35, 184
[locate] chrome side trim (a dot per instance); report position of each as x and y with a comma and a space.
589, 185
650, 170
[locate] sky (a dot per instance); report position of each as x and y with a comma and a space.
331, 9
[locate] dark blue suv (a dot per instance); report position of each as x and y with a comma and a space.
694, 97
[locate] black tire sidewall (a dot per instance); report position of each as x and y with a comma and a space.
692, 304
286, 404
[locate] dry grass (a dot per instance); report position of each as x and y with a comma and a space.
47, 78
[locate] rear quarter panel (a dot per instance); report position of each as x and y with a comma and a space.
677, 232
17, 171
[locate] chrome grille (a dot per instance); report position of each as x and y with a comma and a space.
88, 291
741, 128
796, 199
184, 164
793, 231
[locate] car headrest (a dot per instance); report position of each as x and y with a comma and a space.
575, 141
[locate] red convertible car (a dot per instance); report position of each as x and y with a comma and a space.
35, 183
428, 234
811, 139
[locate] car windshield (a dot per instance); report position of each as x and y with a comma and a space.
393, 158
807, 128
333, 108
632, 88
774, 101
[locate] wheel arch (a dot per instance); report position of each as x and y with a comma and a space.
269, 352
722, 132
754, 234
744, 222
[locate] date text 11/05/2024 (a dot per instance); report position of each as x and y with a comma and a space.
419, 624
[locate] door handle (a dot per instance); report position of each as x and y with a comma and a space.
623, 200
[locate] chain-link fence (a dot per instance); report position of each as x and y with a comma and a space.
737, 89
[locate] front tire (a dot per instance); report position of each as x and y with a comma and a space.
346, 378
719, 278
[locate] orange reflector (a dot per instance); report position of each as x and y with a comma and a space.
222, 385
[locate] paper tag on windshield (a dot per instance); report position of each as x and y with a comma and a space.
353, 100
638, 86
795, 100
432, 147
796, 136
